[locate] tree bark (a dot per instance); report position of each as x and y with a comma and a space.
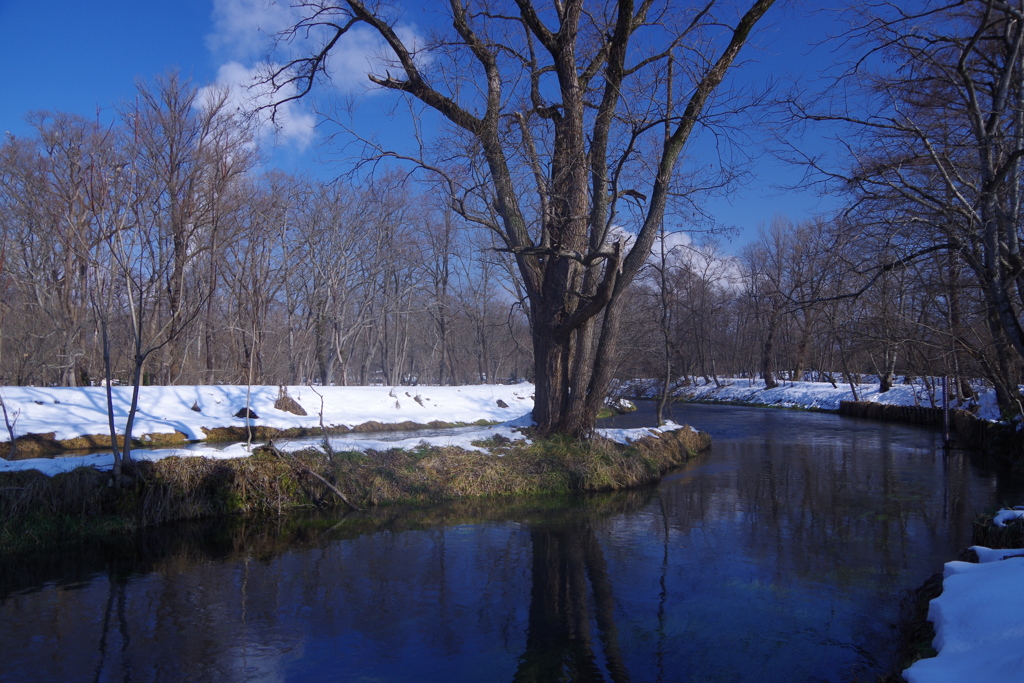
574, 282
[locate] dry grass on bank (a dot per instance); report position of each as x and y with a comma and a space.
987, 534
36, 510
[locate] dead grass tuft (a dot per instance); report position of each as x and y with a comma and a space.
32, 446
288, 404
986, 533
262, 433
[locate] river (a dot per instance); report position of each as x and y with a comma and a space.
779, 555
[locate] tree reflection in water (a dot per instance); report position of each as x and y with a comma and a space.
559, 645
116, 596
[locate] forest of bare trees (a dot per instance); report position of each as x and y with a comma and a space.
783, 310
159, 233
221, 273
159, 247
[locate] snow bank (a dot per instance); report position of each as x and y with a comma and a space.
979, 633
1004, 516
820, 395
72, 412
625, 436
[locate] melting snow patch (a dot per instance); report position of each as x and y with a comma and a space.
627, 435
1004, 516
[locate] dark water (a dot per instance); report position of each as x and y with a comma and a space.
778, 556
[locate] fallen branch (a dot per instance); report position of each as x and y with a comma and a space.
294, 463
323, 429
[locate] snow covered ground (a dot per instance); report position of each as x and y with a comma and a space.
821, 395
71, 412
74, 412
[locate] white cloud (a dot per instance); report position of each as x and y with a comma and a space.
244, 29
363, 52
707, 261
247, 95
675, 244
243, 33
360, 52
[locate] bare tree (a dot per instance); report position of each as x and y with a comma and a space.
558, 106
939, 138
441, 241
190, 152
50, 231
150, 260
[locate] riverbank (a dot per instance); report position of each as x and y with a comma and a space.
812, 395
56, 499
973, 423
37, 510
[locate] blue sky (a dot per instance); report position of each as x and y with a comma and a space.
77, 56
86, 56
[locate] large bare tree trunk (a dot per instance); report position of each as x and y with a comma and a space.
567, 125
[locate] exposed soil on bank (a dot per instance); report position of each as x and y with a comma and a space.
42, 445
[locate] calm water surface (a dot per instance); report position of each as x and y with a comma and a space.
777, 556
